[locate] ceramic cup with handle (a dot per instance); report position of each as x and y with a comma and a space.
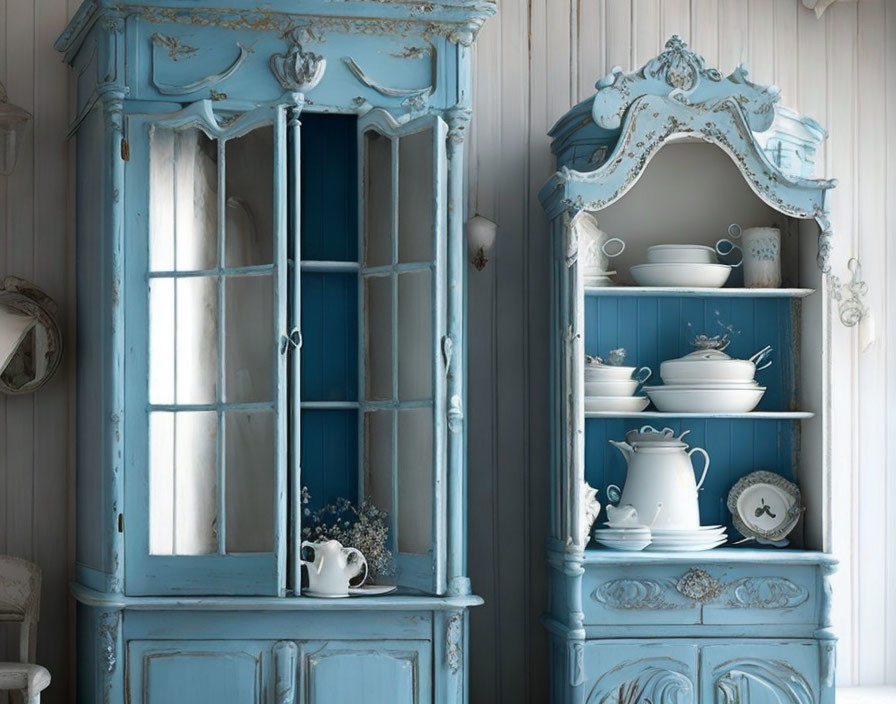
332, 568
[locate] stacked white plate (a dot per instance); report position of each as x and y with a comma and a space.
633, 538
612, 389
687, 539
595, 277
684, 265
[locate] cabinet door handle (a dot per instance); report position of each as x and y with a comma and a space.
293, 340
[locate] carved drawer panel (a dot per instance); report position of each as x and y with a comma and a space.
257, 61
710, 594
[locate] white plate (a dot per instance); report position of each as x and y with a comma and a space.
372, 590
630, 545
681, 274
615, 404
322, 595
621, 533
685, 399
672, 534
611, 387
696, 547
659, 540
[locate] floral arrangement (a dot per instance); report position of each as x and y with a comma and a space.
364, 527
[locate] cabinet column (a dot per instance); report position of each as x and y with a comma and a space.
458, 583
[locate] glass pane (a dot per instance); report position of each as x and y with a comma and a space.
377, 200
249, 178
183, 340
183, 197
250, 341
378, 455
416, 198
415, 336
415, 481
378, 304
249, 468
183, 493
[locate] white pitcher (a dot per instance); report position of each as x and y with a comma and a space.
660, 474
333, 568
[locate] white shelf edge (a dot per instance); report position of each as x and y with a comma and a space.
755, 415
685, 291
329, 405
334, 267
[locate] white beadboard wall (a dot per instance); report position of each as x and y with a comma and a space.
533, 61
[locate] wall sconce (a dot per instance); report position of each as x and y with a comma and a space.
13, 120
480, 240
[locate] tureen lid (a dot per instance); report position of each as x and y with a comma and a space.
648, 435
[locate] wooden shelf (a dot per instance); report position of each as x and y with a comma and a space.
330, 267
753, 415
680, 291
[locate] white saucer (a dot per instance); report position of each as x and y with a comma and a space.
322, 595
631, 545
695, 547
372, 590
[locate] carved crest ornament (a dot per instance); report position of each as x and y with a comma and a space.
298, 70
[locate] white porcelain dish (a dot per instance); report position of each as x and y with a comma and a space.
609, 372
615, 404
686, 399
687, 533
612, 387
630, 545
372, 590
695, 547
681, 254
713, 366
681, 274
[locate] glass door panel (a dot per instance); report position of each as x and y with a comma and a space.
404, 317
214, 372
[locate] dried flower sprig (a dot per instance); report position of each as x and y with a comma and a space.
363, 527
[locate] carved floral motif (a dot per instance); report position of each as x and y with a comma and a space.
453, 649
766, 593
298, 70
699, 585
633, 594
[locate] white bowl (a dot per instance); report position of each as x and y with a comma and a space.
681, 274
688, 399
611, 387
615, 404
681, 253
607, 372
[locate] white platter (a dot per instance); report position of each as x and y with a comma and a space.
681, 274
617, 404
679, 398
688, 533
693, 547
372, 590
630, 545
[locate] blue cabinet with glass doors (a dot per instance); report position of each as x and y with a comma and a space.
271, 269
673, 154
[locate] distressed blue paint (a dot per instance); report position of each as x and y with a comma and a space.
403, 66
707, 626
329, 455
329, 337
329, 188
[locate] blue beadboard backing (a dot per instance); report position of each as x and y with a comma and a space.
736, 447
330, 455
329, 187
329, 337
654, 329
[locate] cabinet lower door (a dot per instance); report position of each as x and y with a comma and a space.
771, 672
198, 672
373, 672
635, 672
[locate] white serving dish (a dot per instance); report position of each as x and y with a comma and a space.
687, 399
687, 533
681, 274
612, 387
681, 254
695, 547
713, 366
615, 404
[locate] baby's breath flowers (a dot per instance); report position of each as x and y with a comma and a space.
364, 527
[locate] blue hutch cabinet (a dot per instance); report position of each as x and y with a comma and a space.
271, 273
674, 153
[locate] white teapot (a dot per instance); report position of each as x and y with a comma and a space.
333, 568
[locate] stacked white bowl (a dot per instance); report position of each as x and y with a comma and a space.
612, 388
685, 265
709, 381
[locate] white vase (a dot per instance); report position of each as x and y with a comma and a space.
762, 257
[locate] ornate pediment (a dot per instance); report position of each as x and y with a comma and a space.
681, 75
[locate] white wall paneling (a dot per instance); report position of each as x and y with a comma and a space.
840, 69
534, 60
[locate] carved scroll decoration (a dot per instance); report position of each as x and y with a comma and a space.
766, 593
654, 680
298, 70
633, 594
415, 98
775, 678
177, 51
453, 647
